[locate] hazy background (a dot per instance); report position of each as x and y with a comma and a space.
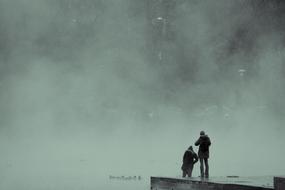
92, 88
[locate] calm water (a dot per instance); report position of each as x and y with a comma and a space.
26, 182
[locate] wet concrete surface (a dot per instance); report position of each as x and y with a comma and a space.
258, 181
213, 183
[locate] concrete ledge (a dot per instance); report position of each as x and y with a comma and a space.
163, 183
279, 183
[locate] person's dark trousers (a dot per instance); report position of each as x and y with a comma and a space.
202, 161
188, 171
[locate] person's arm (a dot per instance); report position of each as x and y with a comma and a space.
197, 143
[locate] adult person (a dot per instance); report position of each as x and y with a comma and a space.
189, 159
203, 142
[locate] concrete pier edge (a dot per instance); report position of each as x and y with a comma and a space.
279, 183
167, 183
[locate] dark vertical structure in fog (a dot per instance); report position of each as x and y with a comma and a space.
165, 50
161, 34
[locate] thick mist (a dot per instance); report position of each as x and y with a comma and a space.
92, 88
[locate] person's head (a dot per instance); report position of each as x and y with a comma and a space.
202, 133
190, 148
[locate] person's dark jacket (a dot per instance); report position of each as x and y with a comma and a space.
189, 158
203, 142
